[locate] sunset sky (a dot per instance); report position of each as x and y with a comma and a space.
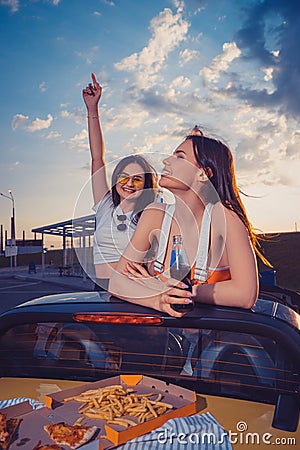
231, 66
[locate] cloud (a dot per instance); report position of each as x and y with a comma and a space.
220, 63
78, 116
21, 121
43, 86
293, 147
178, 99
181, 82
108, 3
254, 38
157, 103
79, 142
128, 118
53, 135
40, 124
266, 144
187, 55
176, 88
55, 2
168, 31
13, 4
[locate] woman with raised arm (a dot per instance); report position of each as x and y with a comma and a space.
218, 237
118, 208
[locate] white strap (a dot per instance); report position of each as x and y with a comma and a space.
163, 238
201, 272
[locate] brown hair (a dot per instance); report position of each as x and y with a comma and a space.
150, 184
216, 160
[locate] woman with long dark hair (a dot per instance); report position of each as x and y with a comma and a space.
210, 216
118, 208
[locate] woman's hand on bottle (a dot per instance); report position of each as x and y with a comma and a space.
92, 94
177, 294
171, 290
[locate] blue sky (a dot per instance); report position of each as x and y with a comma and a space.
230, 66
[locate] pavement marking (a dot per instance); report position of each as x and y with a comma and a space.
19, 285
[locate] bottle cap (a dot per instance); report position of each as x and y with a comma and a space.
177, 239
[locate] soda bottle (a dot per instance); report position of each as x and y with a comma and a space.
180, 270
159, 198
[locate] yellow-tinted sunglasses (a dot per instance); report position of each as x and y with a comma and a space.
136, 180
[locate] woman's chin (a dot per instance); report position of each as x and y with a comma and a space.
130, 196
163, 179
166, 181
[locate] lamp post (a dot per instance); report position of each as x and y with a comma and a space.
12, 220
13, 223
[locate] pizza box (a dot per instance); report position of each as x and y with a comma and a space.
183, 401
30, 430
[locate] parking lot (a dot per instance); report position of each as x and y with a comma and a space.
14, 291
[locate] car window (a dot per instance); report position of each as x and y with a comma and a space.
219, 362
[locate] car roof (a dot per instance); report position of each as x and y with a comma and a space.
263, 307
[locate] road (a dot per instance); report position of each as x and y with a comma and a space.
14, 291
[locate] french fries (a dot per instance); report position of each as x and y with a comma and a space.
111, 403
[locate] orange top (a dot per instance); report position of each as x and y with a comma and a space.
215, 276
200, 273
221, 274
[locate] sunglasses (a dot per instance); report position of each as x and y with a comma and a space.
122, 226
136, 180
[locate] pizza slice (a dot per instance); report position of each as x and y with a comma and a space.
38, 446
3, 429
72, 435
7, 430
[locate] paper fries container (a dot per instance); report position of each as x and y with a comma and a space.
183, 401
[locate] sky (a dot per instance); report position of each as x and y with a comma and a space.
230, 66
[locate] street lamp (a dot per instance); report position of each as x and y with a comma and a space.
12, 223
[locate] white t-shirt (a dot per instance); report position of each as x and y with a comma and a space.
109, 242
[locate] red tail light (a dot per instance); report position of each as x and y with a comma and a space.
119, 318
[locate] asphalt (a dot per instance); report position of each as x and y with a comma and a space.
50, 275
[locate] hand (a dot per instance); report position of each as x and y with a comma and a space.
170, 291
92, 94
177, 294
134, 270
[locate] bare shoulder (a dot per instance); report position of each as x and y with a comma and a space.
234, 225
154, 211
154, 206
225, 220
151, 220
152, 216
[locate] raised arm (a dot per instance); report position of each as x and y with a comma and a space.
91, 96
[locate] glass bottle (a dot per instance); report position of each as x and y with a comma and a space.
159, 198
180, 270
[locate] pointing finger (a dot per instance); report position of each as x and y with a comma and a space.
95, 80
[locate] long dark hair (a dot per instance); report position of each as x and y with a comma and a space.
215, 158
149, 190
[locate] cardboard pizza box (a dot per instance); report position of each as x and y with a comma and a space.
183, 401
30, 430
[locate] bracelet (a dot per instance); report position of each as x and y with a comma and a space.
93, 117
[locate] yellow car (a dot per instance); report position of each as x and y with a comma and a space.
244, 365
